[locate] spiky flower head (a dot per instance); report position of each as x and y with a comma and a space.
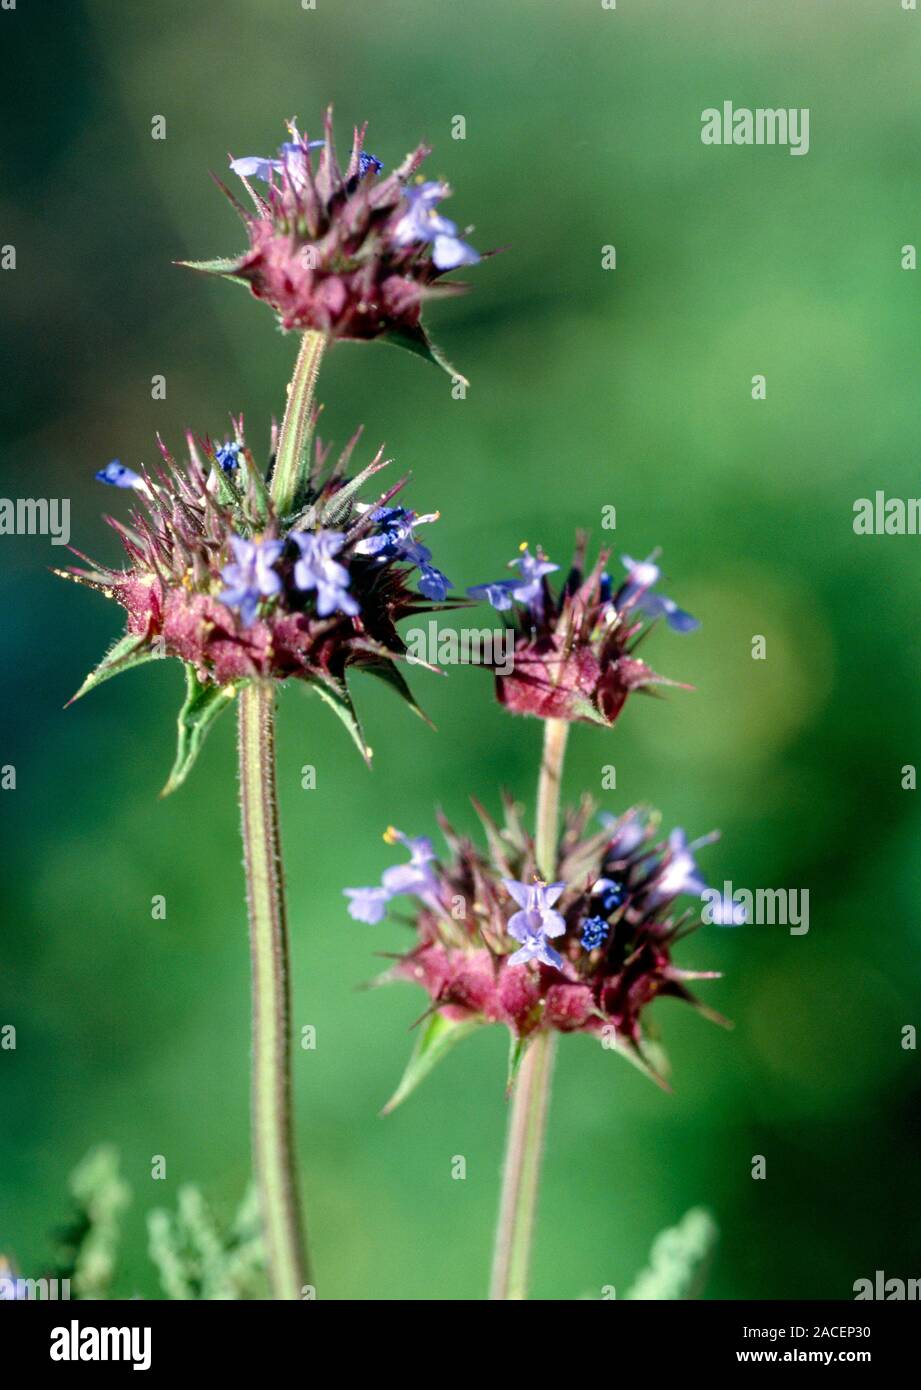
575, 645
220, 579
353, 253
588, 953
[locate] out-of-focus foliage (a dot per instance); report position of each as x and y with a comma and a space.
193, 1258
89, 1242
679, 1258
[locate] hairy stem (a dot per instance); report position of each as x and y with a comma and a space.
528, 1119
556, 732
273, 1136
273, 1127
295, 427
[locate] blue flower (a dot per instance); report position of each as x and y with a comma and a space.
250, 576
316, 569
228, 455
396, 540
117, 475
421, 222
594, 932
416, 878
641, 576
527, 588
536, 921
394, 525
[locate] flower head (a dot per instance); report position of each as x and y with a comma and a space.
351, 253
588, 953
218, 578
574, 653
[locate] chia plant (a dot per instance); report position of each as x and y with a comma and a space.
291, 569
251, 574
568, 930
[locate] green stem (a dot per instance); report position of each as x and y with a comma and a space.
273, 1127
528, 1119
273, 1132
295, 427
556, 733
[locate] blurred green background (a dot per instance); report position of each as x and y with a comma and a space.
630, 388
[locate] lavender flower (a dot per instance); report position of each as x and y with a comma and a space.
536, 921
526, 589
117, 475
421, 222
416, 878
679, 873
641, 576
533, 569
498, 593
348, 251
251, 576
368, 904
316, 569
396, 540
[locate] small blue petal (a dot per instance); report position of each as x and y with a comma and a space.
449, 252
594, 933
253, 167
368, 904
498, 593
228, 455
433, 584
117, 475
368, 163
